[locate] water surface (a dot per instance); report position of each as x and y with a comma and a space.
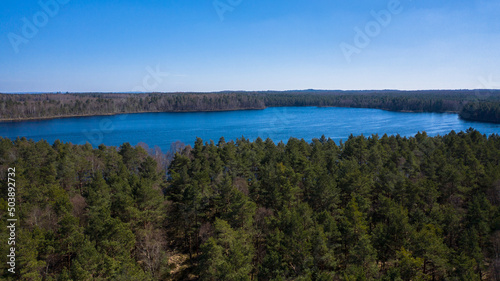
279, 124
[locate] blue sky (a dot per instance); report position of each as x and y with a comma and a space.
190, 45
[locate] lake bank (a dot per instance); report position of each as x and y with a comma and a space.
475, 105
276, 123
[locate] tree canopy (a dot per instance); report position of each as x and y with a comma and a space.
478, 105
370, 208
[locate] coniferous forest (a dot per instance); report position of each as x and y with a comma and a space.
472, 105
371, 208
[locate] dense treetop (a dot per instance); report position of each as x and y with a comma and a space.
371, 208
478, 105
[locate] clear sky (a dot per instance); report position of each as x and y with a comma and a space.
206, 45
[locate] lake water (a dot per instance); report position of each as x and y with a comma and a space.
279, 124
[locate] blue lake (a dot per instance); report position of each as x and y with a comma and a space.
279, 124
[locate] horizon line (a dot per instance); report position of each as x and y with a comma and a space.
234, 91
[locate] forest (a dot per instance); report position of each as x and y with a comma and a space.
473, 105
370, 208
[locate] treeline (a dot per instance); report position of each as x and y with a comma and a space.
62, 105
25, 106
481, 111
376, 208
83, 213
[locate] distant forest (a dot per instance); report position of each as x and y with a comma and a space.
371, 208
478, 105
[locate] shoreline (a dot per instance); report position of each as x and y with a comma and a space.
118, 113
465, 103
226, 110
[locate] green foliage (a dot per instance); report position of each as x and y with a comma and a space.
227, 255
80, 219
481, 111
376, 208
478, 105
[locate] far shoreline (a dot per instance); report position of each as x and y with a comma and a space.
15, 120
215, 110
120, 113
469, 105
